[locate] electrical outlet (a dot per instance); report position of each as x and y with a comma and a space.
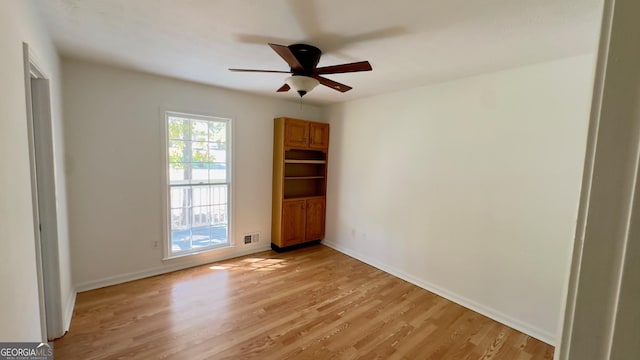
155, 244
247, 239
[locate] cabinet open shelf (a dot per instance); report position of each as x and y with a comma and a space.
297, 154
304, 187
303, 177
294, 161
294, 170
305, 197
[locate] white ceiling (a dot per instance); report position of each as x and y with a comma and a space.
408, 42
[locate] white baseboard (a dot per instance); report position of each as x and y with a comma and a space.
122, 278
532, 331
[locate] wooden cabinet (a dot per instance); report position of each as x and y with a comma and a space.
318, 136
299, 181
301, 134
314, 219
302, 220
294, 222
296, 133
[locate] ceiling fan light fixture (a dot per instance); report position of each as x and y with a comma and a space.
301, 84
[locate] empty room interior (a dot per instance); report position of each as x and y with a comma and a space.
329, 179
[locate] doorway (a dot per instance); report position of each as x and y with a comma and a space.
39, 127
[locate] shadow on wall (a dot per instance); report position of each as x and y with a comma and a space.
336, 145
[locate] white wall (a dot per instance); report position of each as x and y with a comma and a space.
19, 309
112, 123
468, 188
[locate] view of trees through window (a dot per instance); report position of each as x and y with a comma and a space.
197, 157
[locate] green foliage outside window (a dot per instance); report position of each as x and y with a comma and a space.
191, 141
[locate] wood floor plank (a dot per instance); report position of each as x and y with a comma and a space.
311, 303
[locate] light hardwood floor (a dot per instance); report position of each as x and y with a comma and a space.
311, 303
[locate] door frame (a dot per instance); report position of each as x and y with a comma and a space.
600, 310
43, 196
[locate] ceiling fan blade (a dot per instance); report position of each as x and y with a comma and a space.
262, 71
345, 68
283, 88
287, 55
332, 84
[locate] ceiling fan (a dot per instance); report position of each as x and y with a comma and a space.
303, 60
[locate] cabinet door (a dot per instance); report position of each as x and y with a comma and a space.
293, 222
296, 133
315, 219
318, 136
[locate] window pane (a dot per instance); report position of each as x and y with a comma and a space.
180, 218
217, 145
177, 173
219, 234
199, 152
201, 196
199, 130
176, 151
177, 128
180, 197
217, 132
200, 216
201, 237
216, 154
218, 172
219, 214
219, 195
200, 174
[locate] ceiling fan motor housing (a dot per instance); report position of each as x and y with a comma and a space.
308, 56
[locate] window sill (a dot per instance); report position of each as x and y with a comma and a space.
200, 252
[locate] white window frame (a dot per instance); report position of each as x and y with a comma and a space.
166, 186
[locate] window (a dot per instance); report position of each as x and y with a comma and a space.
198, 182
